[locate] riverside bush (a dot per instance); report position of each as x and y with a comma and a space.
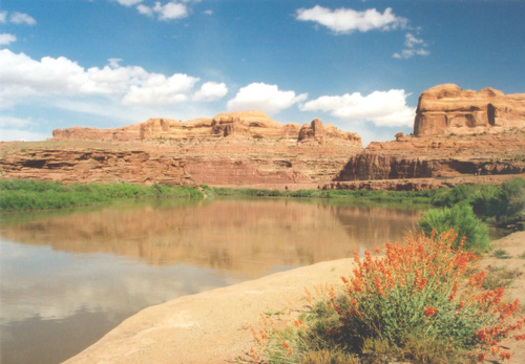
462, 219
504, 205
422, 301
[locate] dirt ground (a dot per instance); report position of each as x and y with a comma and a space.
213, 326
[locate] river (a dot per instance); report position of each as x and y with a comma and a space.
68, 277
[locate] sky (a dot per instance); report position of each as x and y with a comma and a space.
357, 64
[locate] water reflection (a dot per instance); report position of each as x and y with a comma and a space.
68, 279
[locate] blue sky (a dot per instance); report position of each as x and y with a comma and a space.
357, 64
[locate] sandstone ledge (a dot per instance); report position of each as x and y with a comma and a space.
212, 326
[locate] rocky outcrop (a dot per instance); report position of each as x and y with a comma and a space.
97, 166
234, 149
245, 124
447, 109
456, 133
439, 157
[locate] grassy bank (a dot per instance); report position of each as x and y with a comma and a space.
34, 195
379, 196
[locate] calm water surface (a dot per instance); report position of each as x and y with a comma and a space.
66, 279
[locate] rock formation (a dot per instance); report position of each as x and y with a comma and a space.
447, 109
246, 124
456, 133
230, 149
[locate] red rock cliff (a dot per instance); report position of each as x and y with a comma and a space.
447, 109
456, 133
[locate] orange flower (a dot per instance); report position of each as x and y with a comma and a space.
482, 357
286, 346
482, 335
430, 311
379, 286
505, 355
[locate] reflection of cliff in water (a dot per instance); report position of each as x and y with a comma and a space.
247, 236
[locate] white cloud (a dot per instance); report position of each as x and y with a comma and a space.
414, 46
22, 18
208, 12
145, 10
159, 90
267, 98
211, 91
383, 108
14, 122
23, 80
166, 12
3, 17
6, 39
22, 135
129, 2
345, 20
13, 128
170, 11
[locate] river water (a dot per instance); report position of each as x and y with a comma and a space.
68, 277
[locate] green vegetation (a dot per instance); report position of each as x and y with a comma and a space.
422, 302
499, 277
462, 220
33, 195
501, 254
379, 196
504, 205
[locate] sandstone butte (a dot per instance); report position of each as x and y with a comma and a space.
459, 136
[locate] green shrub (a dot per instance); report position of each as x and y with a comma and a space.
462, 220
422, 301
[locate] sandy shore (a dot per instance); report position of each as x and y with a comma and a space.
213, 326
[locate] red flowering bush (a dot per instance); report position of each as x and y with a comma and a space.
421, 301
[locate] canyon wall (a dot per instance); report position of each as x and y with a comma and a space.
232, 149
456, 133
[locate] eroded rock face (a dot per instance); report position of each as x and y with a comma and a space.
245, 124
439, 157
233, 149
97, 166
447, 109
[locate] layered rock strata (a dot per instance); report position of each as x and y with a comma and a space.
248, 124
447, 109
456, 133
234, 149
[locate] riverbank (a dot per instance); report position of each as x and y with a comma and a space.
213, 326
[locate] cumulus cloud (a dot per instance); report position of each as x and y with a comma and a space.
160, 90
3, 17
6, 39
23, 79
169, 11
345, 20
413, 47
129, 2
267, 98
22, 18
383, 108
211, 91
